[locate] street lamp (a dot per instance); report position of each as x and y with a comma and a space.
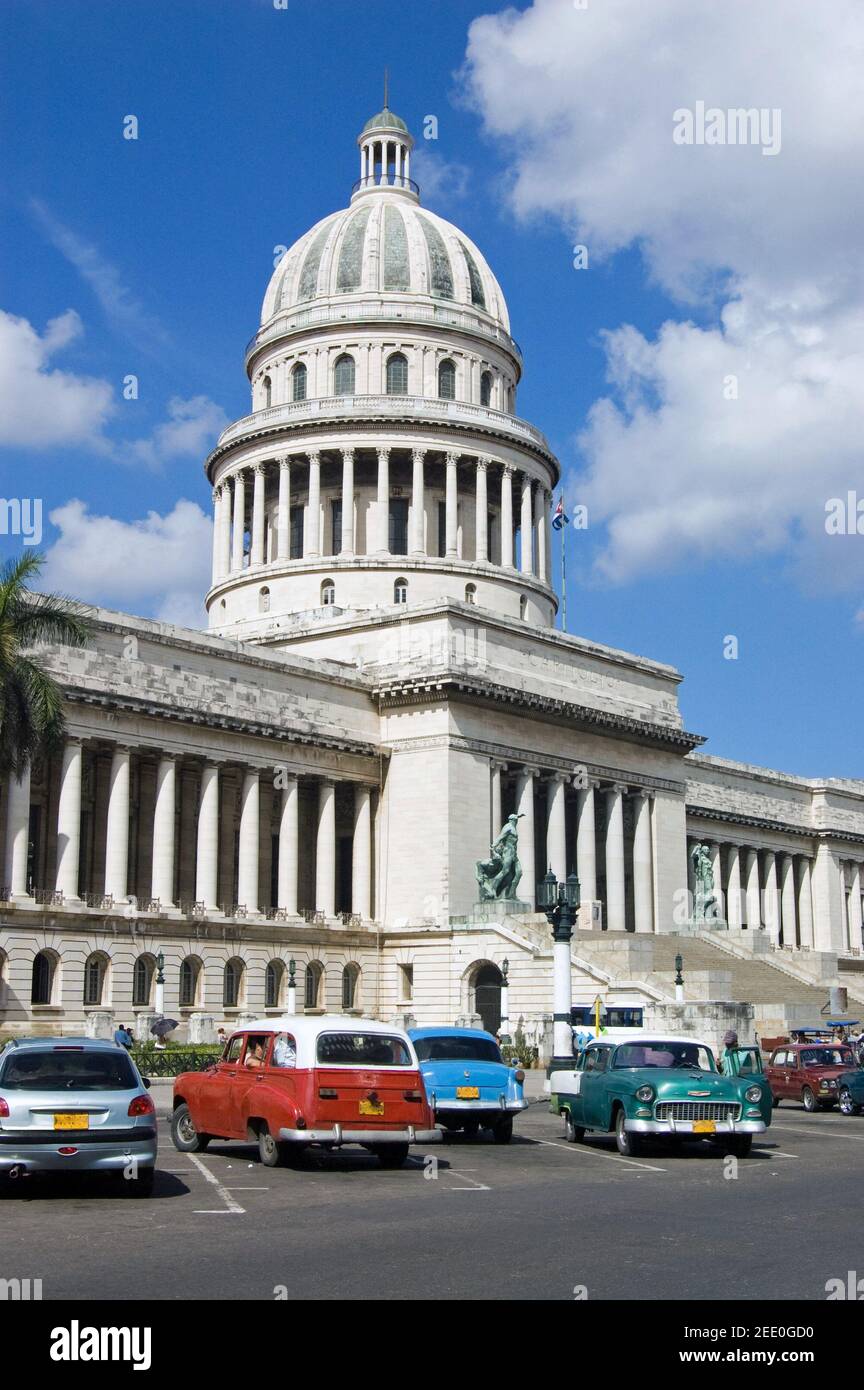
560, 903
504, 1025
160, 984
679, 980
292, 986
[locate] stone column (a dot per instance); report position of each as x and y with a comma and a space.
325, 858
17, 833
207, 850
283, 515
586, 846
526, 564
347, 539
856, 917
224, 550
288, 847
805, 902
418, 503
615, 909
525, 807
556, 827
541, 515
507, 516
734, 905
117, 830
258, 490
481, 513
754, 899
69, 820
772, 899
643, 871
247, 862
361, 869
383, 502
789, 933
217, 531
451, 505
162, 877
496, 769
239, 523
312, 529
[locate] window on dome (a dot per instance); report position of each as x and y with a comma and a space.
478, 298
442, 530
470, 593
328, 593
447, 380
298, 382
344, 375
400, 591
350, 270
264, 600
267, 388
397, 374
486, 388
440, 273
523, 605
296, 545
398, 526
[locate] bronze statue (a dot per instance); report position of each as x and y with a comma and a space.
498, 876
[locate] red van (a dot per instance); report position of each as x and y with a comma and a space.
294, 1081
808, 1072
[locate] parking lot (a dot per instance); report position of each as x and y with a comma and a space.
539, 1218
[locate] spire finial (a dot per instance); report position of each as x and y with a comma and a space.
386, 82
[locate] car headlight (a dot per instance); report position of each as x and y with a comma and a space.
753, 1093
645, 1093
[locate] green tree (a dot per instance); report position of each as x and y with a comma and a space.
31, 701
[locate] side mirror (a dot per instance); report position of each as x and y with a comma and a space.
514, 1061
145, 1082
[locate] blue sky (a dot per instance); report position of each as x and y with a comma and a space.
162, 247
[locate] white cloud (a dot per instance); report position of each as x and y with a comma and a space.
583, 103
189, 432
441, 180
41, 406
158, 567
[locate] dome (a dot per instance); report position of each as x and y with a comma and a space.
385, 120
385, 244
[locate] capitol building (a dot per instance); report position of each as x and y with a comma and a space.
305, 789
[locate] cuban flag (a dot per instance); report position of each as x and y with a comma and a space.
560, 519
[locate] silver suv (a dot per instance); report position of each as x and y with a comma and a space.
75, 1105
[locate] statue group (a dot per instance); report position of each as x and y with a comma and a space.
498, 876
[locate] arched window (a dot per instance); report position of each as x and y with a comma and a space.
267, 389
350, 981
94, 978
397, 375
273, 977
190, 974
264, 600
470, 593
400, 591
298, 382
343, 375
43, 978
312, 984
142, 981
328, 593
447, 380
523, 605
486, 388
232, 982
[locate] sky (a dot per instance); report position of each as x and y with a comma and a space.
697, 367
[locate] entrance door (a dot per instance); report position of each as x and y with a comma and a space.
487, 997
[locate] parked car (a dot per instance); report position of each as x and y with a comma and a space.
809, 1072
468, 1083
291, 1082
659, 1086
76, 1105
850, 1091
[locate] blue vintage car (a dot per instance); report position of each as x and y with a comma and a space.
468, 1083
850, 1092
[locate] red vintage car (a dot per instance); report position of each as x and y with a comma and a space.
808, 1072
289, 1082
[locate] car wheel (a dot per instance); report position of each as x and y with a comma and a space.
502, 1133
184, 1135
629, 1144
270, 1151
141, 1185
775, 1101
808, 1100
391, 1155
574, 1134
847, 1104
739, 1145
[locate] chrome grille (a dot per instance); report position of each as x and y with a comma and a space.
696, 1110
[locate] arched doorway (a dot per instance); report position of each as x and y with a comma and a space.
486, 991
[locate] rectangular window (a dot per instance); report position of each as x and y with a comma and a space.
296, 533
406, 983
442, 529
336, 529
398, 540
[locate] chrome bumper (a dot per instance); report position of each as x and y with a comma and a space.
89, 1158
489, 1107
689, 1126
339, 1135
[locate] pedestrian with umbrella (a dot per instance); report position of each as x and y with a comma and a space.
161, 1027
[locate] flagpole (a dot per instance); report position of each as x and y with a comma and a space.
563, 565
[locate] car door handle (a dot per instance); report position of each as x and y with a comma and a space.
259, 1077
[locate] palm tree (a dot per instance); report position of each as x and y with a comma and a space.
31, 702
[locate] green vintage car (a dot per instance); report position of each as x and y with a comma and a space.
650, 1085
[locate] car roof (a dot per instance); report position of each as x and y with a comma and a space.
94, 1044
309, 1024
448, 1031
644, 1036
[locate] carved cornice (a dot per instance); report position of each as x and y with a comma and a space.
783, 827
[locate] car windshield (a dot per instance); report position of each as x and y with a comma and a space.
664, 1054
362, 1050
826, 1057
57, 1070
457, 1049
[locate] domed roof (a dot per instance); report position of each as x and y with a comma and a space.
385, 120
385, 244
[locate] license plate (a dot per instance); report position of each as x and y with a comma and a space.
467, 1092
371, 1107
71, 1121
705, 1127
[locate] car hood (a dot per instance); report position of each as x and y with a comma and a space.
675, 1082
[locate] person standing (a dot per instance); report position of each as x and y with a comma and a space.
123, 1037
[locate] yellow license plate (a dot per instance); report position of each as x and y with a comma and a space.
371, 1107
705, 1127
467, 1092
71, 1121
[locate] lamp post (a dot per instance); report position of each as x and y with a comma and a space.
292, 986
504, 1025
679, 980
560, 902
160, 984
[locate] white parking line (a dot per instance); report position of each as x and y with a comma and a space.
611, 1158
231, 1208
816, 1129
475, 1185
